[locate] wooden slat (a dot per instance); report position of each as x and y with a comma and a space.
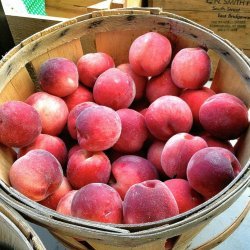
19, 88
71, 50
7, 158
227, 79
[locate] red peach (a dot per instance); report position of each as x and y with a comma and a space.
91, 65
129, 170
52, 110
191, 68
194, 99
215, 142
114, 89
154, 154
98, 128
177, 152
80, 95
97, 202
64, 205
134, 131
52, 144
150, 54
224, 116
148, 201
167, 116
73, 114
73, 149
53, 200
211, 169
185, 196
20, 124
161, 85
87, 167
58, 76
140, 81
36, 175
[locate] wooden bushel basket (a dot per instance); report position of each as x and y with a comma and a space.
15, 232
113, 32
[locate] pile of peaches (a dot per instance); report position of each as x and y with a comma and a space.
131, 143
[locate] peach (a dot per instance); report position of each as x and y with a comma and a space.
215, 142
98, 128
80, 95
73, 114
150, 54
20, 124
36, 175
161, 85
114, 89
52, 144
148, 201
97, 202
91, 65
58, 76
73, 149
154, 155
53, 200
177, 152
211, 169
129, 170
53, 111
185, 196
87, 167
194, 99
64, 205
167, 116
191, 68
224, 116
134, 131
140, 81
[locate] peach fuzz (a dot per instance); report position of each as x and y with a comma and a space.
105, 207
211, 169
98, 128
150, 62
161, 85
140, 81
114, 89
64, 205
87, 167
167, 116
134, 131
148, 201
185, 196
52, 144
53, 111
177, 152
36, 175
80, 95
154, 155
129, 170
194, 99
73, 114
20, 124
191, 68
224, 116
91, 65
53, 200
58, 76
